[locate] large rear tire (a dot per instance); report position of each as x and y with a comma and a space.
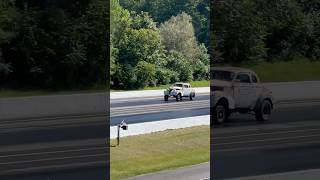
178, 97
263, 112
220, 114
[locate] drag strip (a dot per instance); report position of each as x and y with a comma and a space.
149, 117
48, 156
290, 141
144, 109
151, 100
155, 109
267, 138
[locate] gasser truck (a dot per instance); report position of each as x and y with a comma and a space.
179, 90
238, 90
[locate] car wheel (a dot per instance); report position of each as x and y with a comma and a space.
166, 97
190, 96
178, 97
263, 113
220, 114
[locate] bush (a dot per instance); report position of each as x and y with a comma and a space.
145, 73
178, 63
165, 76
201, 72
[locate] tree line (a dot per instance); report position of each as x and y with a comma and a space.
53, 43
158, 42
249, 31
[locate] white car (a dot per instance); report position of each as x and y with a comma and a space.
179, 90
238, 90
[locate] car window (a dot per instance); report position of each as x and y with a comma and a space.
185, 86
222, 75
178, 85
244, 78
254, 78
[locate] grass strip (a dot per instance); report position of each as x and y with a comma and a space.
287, 71
159, 151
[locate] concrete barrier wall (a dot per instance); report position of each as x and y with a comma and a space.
295, 90
53, 106
162, 125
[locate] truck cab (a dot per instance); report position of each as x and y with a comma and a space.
238, 90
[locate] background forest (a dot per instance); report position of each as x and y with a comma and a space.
158, 42
253, 31
53, 44
56, 44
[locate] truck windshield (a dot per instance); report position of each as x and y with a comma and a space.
178, 85
222, 75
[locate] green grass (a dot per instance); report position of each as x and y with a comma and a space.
170, 149
204, 83
287, 71
193, 84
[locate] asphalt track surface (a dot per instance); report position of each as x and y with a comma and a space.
195, 172
71, 147
75, 146
289, 142
155, 109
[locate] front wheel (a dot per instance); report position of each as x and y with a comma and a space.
190, 96
220, 114
178, 97
166, 97
263, 113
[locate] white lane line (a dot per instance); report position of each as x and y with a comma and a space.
30, 169
163, 104
52, 159
53, 152
148, 111
50, 122
265, 140
144, 109
268, 133
266, 146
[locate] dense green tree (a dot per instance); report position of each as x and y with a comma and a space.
251, 30
239, 30
54, 44
165, 76
145, 73
8, 15
177, 62
178, 34
139, 45
163, 10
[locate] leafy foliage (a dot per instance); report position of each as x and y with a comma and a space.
148, 53
253, 30
53, 44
